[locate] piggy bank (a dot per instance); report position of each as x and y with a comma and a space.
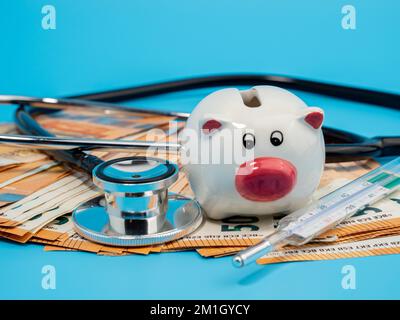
253, 152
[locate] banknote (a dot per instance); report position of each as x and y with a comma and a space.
233, 231
76, 242
373, 221
54, 200
42, 199
369, 247
384, 214
55, 248
23, 232
15, 171
244, 231
346, 170
28, 173
26, 218
21, 220
217, 252
59, 235
164, 133
79, 122
12, 155
21, 188
367, 228
60, 228
73, 242
43, 215
359, 236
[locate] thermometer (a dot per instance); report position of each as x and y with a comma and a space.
303, 225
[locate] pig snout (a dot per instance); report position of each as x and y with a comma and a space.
265, 179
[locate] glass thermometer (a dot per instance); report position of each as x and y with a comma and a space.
303, 225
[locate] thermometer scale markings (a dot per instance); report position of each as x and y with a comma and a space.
364, 193
303, 225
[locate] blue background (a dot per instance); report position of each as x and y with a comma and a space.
100, 45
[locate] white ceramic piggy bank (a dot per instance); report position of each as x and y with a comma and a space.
253, 152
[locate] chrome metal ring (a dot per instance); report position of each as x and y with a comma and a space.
183, 216
136, 192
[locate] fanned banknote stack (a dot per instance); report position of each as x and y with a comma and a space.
37, 196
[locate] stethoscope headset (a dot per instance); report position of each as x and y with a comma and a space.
137, 209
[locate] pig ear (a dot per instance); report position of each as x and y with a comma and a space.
210, 125
314, 117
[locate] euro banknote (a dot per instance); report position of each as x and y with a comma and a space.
232, 232
380, 220
43, 214
217, 252
385, 214
91, 123
11, 156
369, 247
76, 242
242, 231
18, 189
24, 220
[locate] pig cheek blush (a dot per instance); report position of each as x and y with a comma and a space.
265, 179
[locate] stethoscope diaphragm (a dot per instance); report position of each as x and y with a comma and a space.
91, 221
136, 209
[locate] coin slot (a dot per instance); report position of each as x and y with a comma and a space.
250, 98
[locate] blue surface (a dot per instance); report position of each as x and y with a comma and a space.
110, 44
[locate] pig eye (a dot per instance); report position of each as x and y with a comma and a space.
276, 138
249, 141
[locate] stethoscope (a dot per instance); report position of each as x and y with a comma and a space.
136, 208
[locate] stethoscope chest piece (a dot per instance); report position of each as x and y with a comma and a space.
136, 208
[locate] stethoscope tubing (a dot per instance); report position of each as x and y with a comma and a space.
354, 148
384, 99
107, 99
36, 136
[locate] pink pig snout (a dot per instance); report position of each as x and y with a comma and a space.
265, 179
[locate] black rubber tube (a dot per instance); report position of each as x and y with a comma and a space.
345, 147
384, 99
